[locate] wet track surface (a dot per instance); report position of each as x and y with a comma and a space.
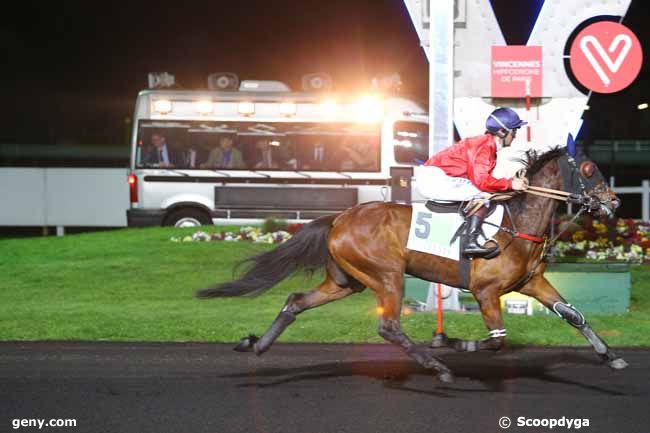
124, 387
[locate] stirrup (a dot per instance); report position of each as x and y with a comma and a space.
488, 252
479, 254
493, 254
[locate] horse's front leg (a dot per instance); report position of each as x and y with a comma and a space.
490, 307
540, 289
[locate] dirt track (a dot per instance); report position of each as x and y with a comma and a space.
123, 387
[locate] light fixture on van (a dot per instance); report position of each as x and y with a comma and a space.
287, 108
246, 108
162, 106
328, 107
369, 109
204, 106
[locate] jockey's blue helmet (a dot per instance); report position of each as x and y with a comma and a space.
503, 118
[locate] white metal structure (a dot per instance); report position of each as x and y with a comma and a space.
237, 155
468, 94
558, 112
476, 29
88, 197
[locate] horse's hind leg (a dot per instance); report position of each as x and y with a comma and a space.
540, 289
327, 291
390, 329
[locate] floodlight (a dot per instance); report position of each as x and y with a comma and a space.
162, 106
204, 106
246, 108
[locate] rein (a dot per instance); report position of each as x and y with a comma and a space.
586, 203
535, 190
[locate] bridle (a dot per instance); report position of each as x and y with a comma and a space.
587, 202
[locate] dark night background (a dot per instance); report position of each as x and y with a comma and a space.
73, 69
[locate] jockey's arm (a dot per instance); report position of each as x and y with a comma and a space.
479, 172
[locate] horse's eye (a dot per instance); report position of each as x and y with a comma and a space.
587, 169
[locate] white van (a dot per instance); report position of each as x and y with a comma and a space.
200, 157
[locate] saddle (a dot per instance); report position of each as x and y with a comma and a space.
465, 209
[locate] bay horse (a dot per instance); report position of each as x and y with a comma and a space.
365, 246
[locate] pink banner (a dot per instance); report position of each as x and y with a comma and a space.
516, 71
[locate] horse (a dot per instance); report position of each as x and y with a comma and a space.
365, 247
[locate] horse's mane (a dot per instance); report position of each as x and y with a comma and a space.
535, 161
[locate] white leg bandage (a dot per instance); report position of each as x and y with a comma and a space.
496, 333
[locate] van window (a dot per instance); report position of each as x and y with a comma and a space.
304, 146
411, 142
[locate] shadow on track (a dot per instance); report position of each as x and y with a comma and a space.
495, 372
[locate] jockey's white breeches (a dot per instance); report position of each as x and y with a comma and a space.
433, 183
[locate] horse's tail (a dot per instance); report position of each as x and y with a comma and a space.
305, 251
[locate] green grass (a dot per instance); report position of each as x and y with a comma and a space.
136, 285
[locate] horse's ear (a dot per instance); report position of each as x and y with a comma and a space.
571, 146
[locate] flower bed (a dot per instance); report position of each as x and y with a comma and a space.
587, 238
250, 234
616, 239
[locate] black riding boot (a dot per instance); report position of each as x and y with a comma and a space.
473, 248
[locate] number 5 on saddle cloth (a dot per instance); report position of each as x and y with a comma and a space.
434, 226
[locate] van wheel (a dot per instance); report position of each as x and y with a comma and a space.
188, 218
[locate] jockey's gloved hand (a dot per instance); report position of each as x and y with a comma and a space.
519, 184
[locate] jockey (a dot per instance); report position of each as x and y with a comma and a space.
464, 171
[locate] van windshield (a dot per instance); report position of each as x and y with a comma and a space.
258, 146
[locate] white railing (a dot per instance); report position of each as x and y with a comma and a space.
644, 190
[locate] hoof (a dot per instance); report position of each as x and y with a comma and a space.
439, 340
246, 344
446, 377
617, 364
466, 346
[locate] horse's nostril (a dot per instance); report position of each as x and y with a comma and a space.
616, 203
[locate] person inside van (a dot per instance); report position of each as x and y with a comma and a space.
315, 157
224, 155
191, 156
269, 155
357, 154
159, 153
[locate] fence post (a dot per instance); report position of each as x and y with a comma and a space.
645, 200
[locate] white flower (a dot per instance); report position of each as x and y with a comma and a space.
200, 236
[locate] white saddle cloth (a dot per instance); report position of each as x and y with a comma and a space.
431, 232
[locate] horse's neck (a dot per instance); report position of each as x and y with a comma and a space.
537, 211
536, 214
